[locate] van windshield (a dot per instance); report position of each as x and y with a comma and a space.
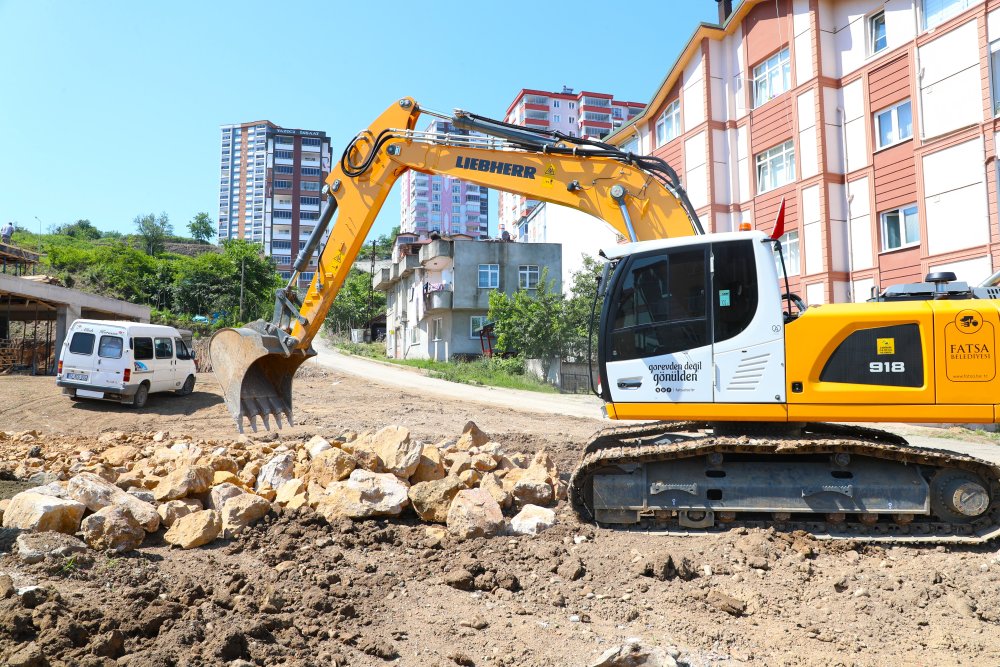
110, 347
82, 343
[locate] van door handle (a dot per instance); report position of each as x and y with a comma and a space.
629, 384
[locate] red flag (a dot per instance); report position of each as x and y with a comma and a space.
779, 224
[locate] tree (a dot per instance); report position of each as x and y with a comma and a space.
351, 309
580, 310
202, 228
531, 325
153, 231
383, 245
81, 229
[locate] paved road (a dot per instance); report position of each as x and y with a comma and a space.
401, 377
586, 406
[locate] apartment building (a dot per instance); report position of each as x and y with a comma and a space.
441, 204
583, 114
874, 121
269, 188
438, 290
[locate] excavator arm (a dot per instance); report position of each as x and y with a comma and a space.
639, 196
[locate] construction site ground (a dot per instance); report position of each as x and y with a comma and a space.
378, 592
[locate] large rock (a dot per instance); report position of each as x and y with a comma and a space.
396, 451
172, 510
474, 513
494, 487
331, 465
187, 480
242, 511
532, 520
431, 500
364, 494
634, 654
316, 445
430, 467
113, 528
34, 547
220, 494
289, 490
194, 530
97, 493
532, 487
276, 471
472, 436
36, 512
120, 455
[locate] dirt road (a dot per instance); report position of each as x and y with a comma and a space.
297, 591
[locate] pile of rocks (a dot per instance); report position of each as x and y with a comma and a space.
202, 490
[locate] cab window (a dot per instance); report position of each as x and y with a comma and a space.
734, 298
110, 347
142, 349
662, 305
164, 348
82, 343
182, 349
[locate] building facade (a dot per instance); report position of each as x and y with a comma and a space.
269, 189
578, 234
444, 205
438, 291
873, 119
583, 114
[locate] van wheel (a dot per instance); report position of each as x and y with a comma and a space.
187, 388
141, 396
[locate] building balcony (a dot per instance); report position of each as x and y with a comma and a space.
283, 160
281, 235
437, 255
382, 280
310, 149
437, 297
407, 264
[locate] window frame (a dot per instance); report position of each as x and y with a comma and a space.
787, 148
157, 349
492, 273
791, 252
962, 6
894, 111
437, 329
901, 221
670, 118
872, 35
761, 71
483, 319
524, 274
82, 336
101, 349
994, 67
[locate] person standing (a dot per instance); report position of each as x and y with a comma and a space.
7, 232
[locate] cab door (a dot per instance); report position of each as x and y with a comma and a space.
658, 348
163, 363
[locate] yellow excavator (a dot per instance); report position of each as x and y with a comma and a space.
696, 333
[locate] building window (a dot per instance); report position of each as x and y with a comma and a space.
894, 125
310, 186
284, 169
527, 276
415, 336
775, 167
283, 155
900, 228
876, 33
572, 119
789, 253
283, 185
476, 323
286, 215
310, 141
669, 124
281, 245
489, 276
310, 171
772, 77
938, 11
572, 105
438, 328
555, 104
309, 201
556, 118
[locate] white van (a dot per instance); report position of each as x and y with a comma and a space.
124, 361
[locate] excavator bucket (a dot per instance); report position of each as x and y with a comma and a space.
256, 373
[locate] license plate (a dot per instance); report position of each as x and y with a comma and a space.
83, 377
89, 394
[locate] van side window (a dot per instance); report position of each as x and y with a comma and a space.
143, 348
110, 347
82, 343
182, 350
164, 348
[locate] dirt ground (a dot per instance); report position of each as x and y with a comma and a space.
297, 591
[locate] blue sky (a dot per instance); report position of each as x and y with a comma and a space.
111, 109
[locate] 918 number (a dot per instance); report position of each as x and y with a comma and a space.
887, 367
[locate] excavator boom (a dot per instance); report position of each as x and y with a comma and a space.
639, 196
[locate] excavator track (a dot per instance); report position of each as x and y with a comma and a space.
635, 451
